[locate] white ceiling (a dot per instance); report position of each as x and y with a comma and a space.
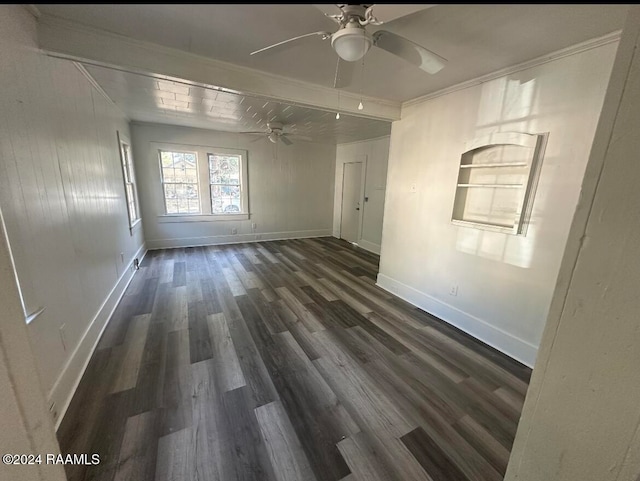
476, 39
148, 99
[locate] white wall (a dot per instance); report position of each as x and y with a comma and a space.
504, 282
62, 195
290, 188
374, 154
581, 418
25, 425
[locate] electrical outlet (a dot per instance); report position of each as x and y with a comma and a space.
258, 236
234, 231
122, 257
254, 225
453, 291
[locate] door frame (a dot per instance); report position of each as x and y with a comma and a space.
359, 159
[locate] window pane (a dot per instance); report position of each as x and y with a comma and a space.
166, 159
133, 215
169, 174
180, 178
172, 206
224, 169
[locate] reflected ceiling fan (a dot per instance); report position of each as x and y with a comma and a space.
352, 41
275, 132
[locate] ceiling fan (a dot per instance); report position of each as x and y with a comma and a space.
275, 132
352, 41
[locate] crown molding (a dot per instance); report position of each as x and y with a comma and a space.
70, 40
550, 57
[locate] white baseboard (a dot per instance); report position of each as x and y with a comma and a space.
369, 246
65, 386
234, 239
503, 341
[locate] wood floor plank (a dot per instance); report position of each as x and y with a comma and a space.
300, 310
432, 458
285, 450
147, 296
212, 453
137, 459
135, 341
484, 442
148, 392
177, 387
364, 462
176, 458
199, 336
282, 360
228, 370
179, 274
179, 309
247, 452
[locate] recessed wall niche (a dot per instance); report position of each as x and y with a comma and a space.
497, 180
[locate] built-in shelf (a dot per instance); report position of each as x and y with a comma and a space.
499, 186
497, 164
496, 182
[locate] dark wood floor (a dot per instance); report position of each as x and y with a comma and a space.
283, 361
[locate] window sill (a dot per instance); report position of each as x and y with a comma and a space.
170, 218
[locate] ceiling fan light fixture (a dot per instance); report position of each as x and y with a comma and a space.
351, 43
273, 137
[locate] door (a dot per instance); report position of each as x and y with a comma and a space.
351, 187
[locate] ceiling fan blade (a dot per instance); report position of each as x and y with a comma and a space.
385, 13
256, 132
256, 139
409, 51
324, 36
329, 10
344, 74
285, 140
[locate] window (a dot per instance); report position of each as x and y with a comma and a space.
201, 183
225, 183
179, 172
128, 174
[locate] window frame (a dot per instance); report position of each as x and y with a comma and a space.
197, 182
204, 186
129, 179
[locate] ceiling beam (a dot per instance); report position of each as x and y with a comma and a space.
77, 42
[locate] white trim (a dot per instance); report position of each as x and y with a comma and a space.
135, 223
550, 57
368, 246
387, 136
234, 239
65, 386
178, 218
512, 346
93, 82
32, 317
